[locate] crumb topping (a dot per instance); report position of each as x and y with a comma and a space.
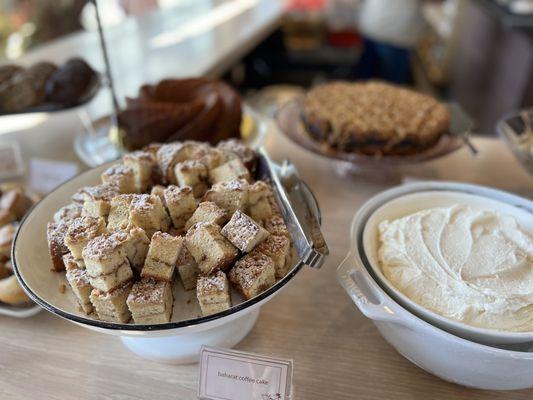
215, 283
84, 228
249, 268
105, 191
147, 291
104, 246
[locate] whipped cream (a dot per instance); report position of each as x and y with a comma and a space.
471, 265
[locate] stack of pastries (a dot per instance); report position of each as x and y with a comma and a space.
182, 209
14, 203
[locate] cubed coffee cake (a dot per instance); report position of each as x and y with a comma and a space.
209, 248
150, 301
207, 211
253, 274
243, 232
213, 294
111, 306
180, 203
229, 195
162, 256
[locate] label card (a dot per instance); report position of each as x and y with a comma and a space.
235, 375
11, 165
46, 175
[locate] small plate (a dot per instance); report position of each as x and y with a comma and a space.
289, 120
94, 147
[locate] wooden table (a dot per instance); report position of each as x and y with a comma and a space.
337, 352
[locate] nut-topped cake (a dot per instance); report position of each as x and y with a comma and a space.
176, 218
374, 118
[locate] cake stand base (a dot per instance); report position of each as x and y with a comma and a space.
184, 348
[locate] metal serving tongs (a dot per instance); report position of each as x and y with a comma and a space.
299, 208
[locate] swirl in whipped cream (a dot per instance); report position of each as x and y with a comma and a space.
471, 265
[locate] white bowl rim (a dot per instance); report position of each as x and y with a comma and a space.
380, 200
434, 330
233, 311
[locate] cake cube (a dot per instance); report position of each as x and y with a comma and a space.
278, 249
233, 148
152, 148
207, 211
15, 201
229, 195
187, 268
167, 157
276, 226
234, 169
243, 232
119, 212
68, 213
136, 247
253, 274
150, 301
147, 212
111, 306
213, 294
122, 176
209, 248
209, 156
79, 282
259, 206
192, 173
180, 203
143, 164
159, 191
105, 254
97, 199
81, 231
55, 232
162, 255
109, 282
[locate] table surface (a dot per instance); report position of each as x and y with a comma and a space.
337, 352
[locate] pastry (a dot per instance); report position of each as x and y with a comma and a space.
233, 169
229, 195
150, 301
79, 282
143, 164
209, 248
70, 82
122, 176
259, 204
278, 249
212, 292
111, 306
192, 173
243, 232
374, 118
275, 225
180, 203
162, 256
253, 274
187, 268
82, 230
181, 109
147, 212
207, 211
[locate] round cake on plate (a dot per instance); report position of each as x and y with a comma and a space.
374, 118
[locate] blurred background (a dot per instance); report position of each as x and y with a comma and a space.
478, 53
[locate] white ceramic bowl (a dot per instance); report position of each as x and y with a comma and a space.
414, 202
439, 352
176, 342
